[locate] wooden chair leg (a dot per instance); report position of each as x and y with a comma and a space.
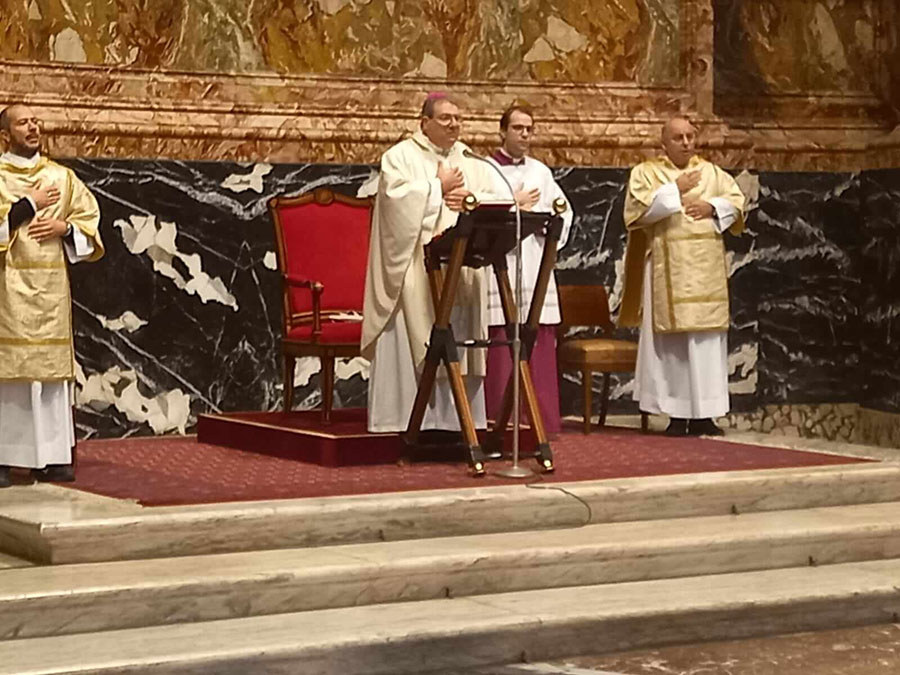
604, 400
588, 392
288, 382
645, 422
327, 387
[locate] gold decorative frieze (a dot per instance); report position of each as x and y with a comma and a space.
341, 80
500, 40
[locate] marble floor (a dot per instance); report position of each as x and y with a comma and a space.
870, 650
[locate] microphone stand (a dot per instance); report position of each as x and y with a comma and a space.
514, 471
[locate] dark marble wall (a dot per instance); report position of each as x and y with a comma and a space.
183, 315
192, 261
806, 283
880, 298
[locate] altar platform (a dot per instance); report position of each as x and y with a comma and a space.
264, 456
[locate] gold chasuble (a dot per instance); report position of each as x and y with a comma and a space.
408, 212
35, 304
689, 268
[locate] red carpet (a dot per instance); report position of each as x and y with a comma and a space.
180, 470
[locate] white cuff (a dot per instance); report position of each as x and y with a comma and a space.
568, 216
80, 246
726, 213
665, 202
4, 231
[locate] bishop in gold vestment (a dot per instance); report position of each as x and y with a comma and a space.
676, 281
37, 362
422, 184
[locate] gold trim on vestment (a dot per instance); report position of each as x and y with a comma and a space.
709, 297
672, 331
699, 235
25, 342
669, 294
49, 265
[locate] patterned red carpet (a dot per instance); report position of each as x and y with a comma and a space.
180, 470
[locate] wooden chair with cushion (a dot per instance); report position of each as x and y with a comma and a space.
588, 306
322, 240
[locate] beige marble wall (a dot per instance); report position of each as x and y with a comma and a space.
810, 84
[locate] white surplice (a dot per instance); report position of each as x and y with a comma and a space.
36, 425
529, 175
680, 374
397, 311
393, 384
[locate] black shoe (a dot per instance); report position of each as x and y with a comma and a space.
440, 437
678, 426
55, 473
704, 427
5, 480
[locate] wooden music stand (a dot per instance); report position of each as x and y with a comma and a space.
528, 331
483, 236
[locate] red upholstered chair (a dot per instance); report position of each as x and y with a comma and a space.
589, 306
323, 247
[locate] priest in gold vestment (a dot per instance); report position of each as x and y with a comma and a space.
677, 208
46, 216
423, 182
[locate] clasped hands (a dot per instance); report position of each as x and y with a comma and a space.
697, 209
44, 228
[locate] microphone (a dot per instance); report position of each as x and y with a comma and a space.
517, 341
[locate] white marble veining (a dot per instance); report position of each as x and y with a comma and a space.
128, 321
143, 235
239, 182
165, 412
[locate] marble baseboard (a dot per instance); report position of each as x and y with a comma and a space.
847, 422
876, 427
836, 422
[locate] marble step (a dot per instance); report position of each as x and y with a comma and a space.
434, 635
57, 525
56, 600
9, 561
